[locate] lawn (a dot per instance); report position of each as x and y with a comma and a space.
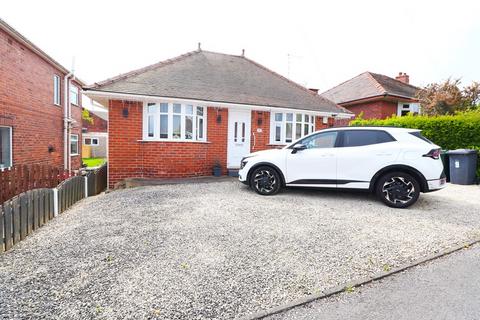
93, 162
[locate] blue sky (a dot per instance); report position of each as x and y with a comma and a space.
316, 43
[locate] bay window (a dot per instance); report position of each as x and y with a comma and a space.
290, 126
174, 121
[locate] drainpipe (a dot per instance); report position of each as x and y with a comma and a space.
66, 123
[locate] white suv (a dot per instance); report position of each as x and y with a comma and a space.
395, 163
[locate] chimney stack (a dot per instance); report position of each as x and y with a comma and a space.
402, 76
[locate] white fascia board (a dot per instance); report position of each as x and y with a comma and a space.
144, 98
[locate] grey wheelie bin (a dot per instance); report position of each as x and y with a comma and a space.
463, 166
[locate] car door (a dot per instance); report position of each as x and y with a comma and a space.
316, 165
361, 154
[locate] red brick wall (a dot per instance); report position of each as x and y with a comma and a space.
319, 125
26, 104
376, 109
129, 157
260, 140
98, 125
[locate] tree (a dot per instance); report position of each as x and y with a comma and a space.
447, 97
86, 116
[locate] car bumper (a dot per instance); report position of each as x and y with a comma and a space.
437, 184
242, 176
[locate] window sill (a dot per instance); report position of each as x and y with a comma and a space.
74, 154
171, 140
278, 144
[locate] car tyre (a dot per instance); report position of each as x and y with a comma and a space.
265, 180
398, 189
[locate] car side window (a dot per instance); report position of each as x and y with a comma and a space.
357, 138
321, 140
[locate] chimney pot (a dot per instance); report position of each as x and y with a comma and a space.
403, 77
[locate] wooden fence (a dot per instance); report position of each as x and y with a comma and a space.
28, 211
18, 179
24, 214
97, 180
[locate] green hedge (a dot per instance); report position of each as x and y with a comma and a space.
461, 130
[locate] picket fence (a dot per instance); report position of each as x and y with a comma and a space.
30, 210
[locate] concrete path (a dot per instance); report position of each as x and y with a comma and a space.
448, 288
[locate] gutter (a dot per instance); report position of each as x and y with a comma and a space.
219, 104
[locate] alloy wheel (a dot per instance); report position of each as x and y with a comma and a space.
265, 181
398, 190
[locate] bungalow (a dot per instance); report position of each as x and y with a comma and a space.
376, 95
40, 106
180, 117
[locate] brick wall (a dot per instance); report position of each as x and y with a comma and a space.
130, 157
260, 140
26, 104
374, 110
98, 125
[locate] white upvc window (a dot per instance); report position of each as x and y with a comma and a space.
91, 141
74, 94
174, 121
5, 147
287, 127
405, 108
74, 145
56, 90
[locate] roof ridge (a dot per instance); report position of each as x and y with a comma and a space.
142, 70
396, 80
378, 85
341, 83
313, 94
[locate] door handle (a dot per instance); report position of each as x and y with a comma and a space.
383, 154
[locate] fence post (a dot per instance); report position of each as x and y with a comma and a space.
86, 186
55, 202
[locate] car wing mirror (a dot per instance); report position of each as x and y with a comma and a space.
298, 147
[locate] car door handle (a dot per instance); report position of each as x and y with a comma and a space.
384, 154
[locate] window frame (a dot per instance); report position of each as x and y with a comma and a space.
10, 140
57, 87
282, 124
77, 93
78, 144
170, 121
91, 141
341, 140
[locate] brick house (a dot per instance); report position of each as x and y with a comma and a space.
180, 117
37, 126
95, 133
376, 95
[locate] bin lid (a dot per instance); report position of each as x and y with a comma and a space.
462, 151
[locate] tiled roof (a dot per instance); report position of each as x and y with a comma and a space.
204, 75
367, 85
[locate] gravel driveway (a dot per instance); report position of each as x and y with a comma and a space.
218, 250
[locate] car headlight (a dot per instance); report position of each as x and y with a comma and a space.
244, 161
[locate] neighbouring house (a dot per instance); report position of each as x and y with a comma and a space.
95, 132
40, 106
180, 117
376, 96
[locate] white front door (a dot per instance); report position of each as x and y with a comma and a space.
238, 136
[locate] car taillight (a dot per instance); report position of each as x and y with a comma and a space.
434, 154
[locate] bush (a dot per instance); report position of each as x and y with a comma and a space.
461, 130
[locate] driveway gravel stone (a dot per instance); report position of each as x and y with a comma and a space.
218, 250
